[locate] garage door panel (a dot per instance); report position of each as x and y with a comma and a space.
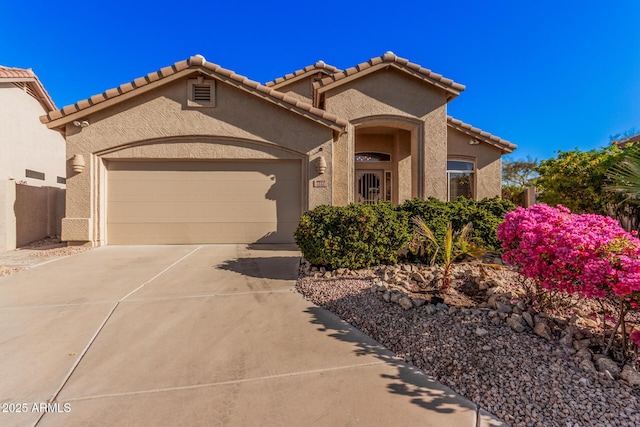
191, 233
203, 202
185, 190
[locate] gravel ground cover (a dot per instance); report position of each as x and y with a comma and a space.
522, 378
34, 253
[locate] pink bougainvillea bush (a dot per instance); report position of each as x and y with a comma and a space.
589, 255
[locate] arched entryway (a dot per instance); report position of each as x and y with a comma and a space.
385, 162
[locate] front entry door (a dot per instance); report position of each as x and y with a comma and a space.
370, 186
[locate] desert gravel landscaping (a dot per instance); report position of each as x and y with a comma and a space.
37, 252
485, 348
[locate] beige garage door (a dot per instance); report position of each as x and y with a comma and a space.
203, 202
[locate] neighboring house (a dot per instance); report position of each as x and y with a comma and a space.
194, 153
32, 164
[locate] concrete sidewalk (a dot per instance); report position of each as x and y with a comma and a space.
197, 335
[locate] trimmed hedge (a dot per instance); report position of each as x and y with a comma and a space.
364, 235
485, 215
353, 236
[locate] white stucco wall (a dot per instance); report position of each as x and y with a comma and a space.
25, 143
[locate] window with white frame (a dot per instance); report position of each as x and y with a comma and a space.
460, 179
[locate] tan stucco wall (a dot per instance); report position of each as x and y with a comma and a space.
398, 100
7, 215
25, 143
158, 125
488, 162
299, 89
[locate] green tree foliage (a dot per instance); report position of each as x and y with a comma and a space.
517, 175
578, 180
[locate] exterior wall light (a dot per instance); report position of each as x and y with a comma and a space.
321, 165
474, 142
78, 163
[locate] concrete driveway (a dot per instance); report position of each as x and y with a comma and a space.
196, 336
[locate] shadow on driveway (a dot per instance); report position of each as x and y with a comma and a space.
275, 267
408, 381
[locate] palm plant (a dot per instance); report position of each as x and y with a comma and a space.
456, 245
625, 177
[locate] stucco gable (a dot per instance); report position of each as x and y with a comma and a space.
480, 135
182, 69
389, 59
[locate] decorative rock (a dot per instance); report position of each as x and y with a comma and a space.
481, 332
418, 277
395, 296
528, 318
486, 348
493, 301
630, 375
607, 365
541, 329
442, 306
386, 296
515, 323
430, 309
418, 302
584, 353
503, 308
405, 303
588, 366
584, 382
566, 340
327, 275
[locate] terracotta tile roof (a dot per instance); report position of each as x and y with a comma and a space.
16, 73
319, 66
179, 70
481, 135
389, 59
28, 77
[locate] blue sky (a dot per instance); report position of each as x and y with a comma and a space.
546, 75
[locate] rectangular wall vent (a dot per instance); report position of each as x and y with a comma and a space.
34, 174
202, 93
61, 180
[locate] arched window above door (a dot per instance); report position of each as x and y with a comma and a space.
372, 156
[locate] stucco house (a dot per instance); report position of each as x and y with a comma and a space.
194, 153
32, 163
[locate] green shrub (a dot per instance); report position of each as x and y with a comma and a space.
353, 236
484, 215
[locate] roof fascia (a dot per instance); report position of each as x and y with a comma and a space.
504, 148
86, 107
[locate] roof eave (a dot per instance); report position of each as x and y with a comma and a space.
196, 64
504, 145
